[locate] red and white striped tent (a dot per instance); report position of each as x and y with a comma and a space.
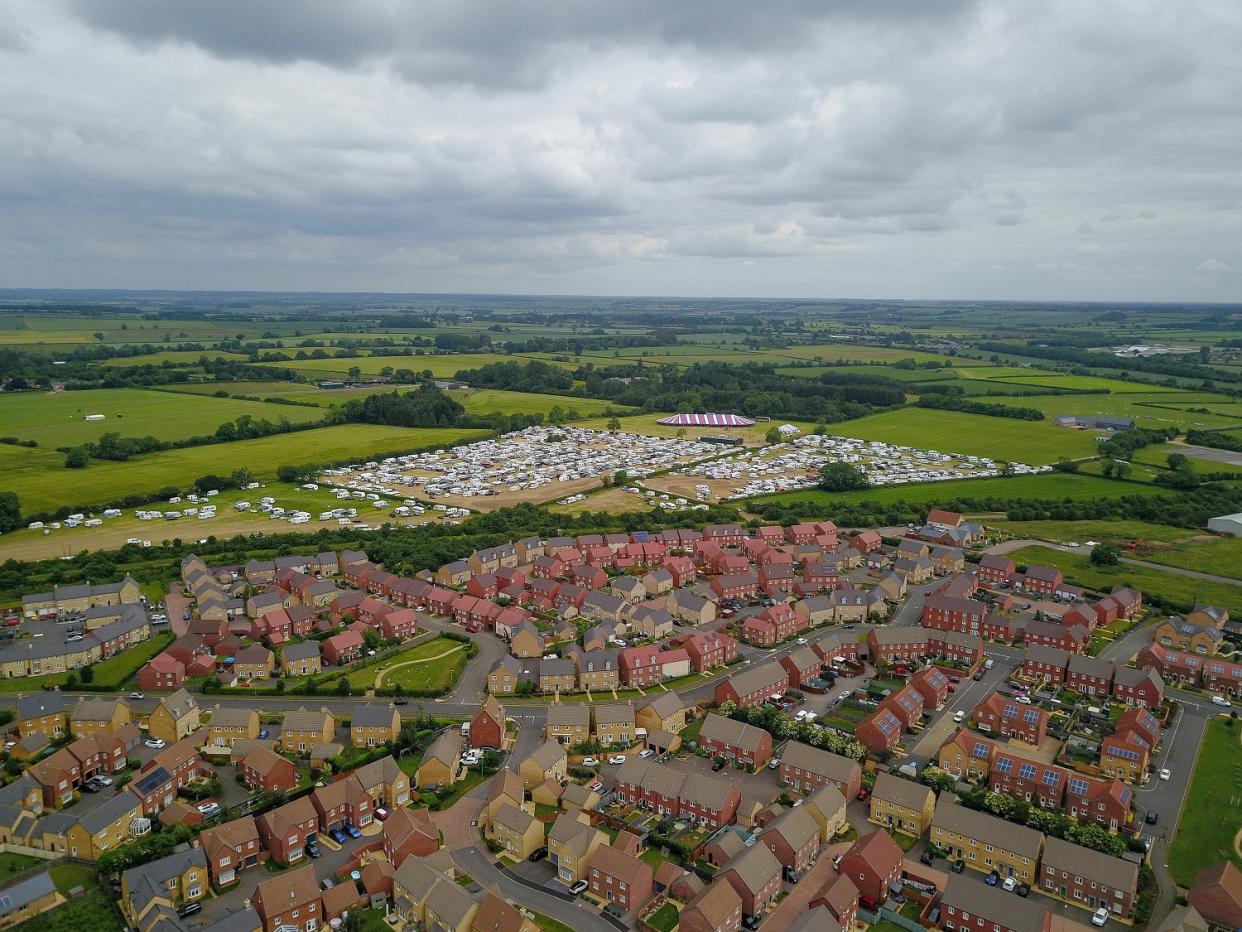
706, 420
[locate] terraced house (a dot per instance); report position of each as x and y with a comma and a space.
984, 842
806, 769
731, 740
113, 823
1088, 878
902, 805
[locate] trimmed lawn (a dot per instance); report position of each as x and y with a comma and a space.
654, 857
373, 921
11, 862
68, 876
434, 670
548, 924
1180, 593
664, 918
1213, 810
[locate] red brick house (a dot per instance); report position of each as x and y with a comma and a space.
946, 613
793, 837
1032, 780
182, 762
754, 685
164, 671
717, 909
1000, 715
1088, 878
735, 586
1090, 676
755, 876
1222, 676
709, 649
880, 731
1171, 664
1106, 802
1129, 600
487, 728
808, 768
1044, 580
231, 848
409, 833
726, 738
995, 569
400, 625
1139, 688
1048, 634
619, 878
640, 666
681, 569
802, 663
1046, 664
840, 897
262, 768
933, 685
873, 864
343, 648
866, 542
290, 901
907, 705
287, 830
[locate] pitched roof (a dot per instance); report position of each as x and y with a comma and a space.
372, 715
1017, 839
755, 867
818, 761
1217, 894
796, 826
992, 904
1116, 873
902, 792
717, 903
733, 733
547, 755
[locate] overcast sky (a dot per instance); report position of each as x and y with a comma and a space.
1060, 149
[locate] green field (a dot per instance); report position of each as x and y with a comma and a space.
887, 372
1164, 409
1062, 532
1179, 593
42, 483
1212, 814
1219, 557
1019, 375
56, 419
1050, 485
114, 672
1001, 438
444, 366
423, 674
173, 357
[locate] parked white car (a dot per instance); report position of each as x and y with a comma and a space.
617, 759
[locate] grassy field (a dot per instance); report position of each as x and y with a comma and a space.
68, 876
1147, 409
1077, 531
173, 357
423, 672
1211, 817
42, 483
1159, 456
12, 863
887, 372
445, 366
1180, 593
1051, 485
1220, 557
57, 419
1020, 375
1034, 442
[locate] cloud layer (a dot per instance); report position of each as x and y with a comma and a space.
1059, 150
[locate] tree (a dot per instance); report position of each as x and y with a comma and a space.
10, 512
1105, 554
842, 477
1121, 469
1064, 464
355, 374
342, 687
1177, 461
773, 435
88, 675
614, 424
77, 458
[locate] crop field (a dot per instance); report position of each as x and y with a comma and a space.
56, 419
1035, 442
42, 483
440, 366
857, 353
1179, 593
173, 357
1051, 485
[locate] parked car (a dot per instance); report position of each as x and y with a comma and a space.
313, 850
208, 810
352, 831
774, 763
617, 759
1100, 916
327, 883
157, 743
649, 752
538, 855
589, 762
978, 675
1166, 773
597, 787
102, 779
137, 695
959, 716
264, 734
1152, 817
718, 766
337, 836
1024, 890
189, 909
958, 866
91, 787
927, 857
1009, 884
578, 887
864, 794
1022, 699
1221, 701
381, 813
992, 879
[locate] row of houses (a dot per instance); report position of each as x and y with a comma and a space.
656, 720
76, 599
1107, 801
1214, 674
1091, 676
47, 647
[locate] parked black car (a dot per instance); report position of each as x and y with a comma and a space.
927, 857
1023, 889
719, 765
958, 866
312, 849
1152, 817
538, 855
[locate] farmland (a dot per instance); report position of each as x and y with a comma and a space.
42, 484
56, 419
1062, 532
1178, 593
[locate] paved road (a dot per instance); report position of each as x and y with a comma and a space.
1084, 550
574, 914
